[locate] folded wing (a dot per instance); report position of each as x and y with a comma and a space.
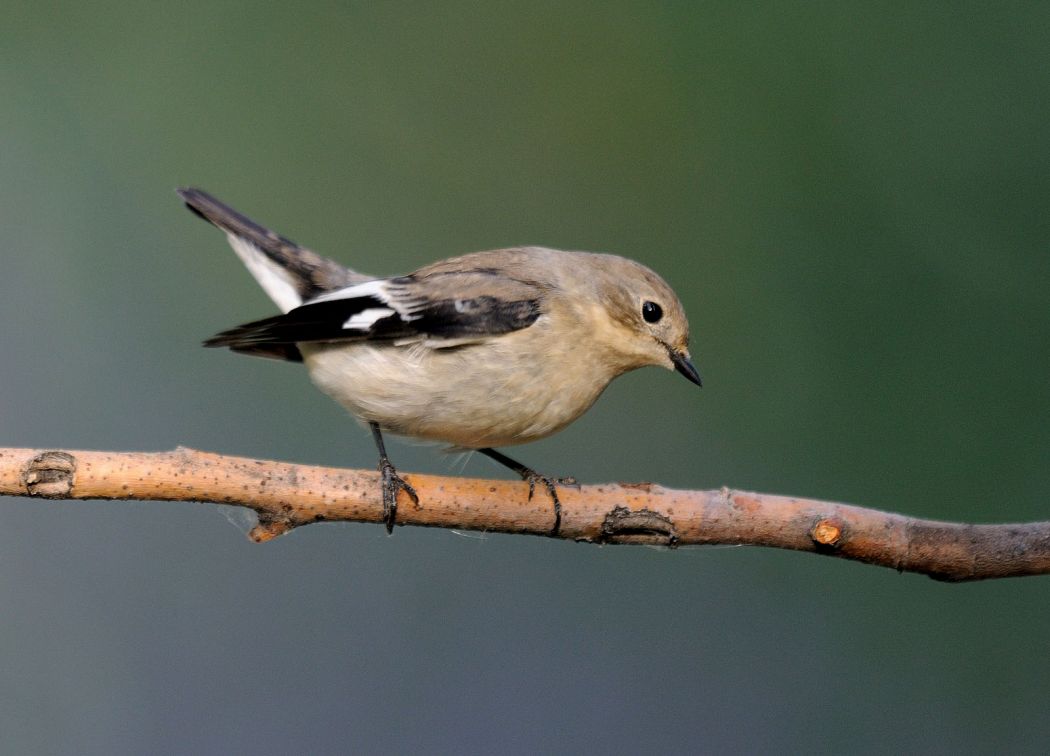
440, 309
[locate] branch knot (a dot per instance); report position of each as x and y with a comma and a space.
622, 525
50, 475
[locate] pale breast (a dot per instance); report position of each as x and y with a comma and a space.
509, 390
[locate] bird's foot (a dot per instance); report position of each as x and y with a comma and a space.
393, 484
533, 478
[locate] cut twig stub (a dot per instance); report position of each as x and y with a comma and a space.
827, 532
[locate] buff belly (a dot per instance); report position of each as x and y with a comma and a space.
472, 396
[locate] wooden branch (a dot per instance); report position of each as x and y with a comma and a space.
286, 496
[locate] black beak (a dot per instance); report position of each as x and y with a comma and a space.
683, 365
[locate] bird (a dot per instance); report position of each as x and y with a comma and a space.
483, 350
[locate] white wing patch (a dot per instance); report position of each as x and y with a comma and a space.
375, 288
274, 280
365, 319
382, 290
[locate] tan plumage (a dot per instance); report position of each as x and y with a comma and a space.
488, 349
519, 386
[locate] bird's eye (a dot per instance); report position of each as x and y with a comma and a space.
651, 312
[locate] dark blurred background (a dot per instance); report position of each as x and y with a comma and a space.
852, 199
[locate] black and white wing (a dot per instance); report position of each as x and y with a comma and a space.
445, 304
440, 309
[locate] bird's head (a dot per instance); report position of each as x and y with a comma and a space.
639, 318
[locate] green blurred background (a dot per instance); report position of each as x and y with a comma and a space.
852, 199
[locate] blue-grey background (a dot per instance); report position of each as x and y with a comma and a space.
852, 199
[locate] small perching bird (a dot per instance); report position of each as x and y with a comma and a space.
489, 349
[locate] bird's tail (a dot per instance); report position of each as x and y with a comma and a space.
288, 273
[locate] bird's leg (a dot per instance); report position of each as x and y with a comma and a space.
392, 482
532, 477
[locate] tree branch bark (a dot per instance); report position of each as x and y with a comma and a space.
286, 496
